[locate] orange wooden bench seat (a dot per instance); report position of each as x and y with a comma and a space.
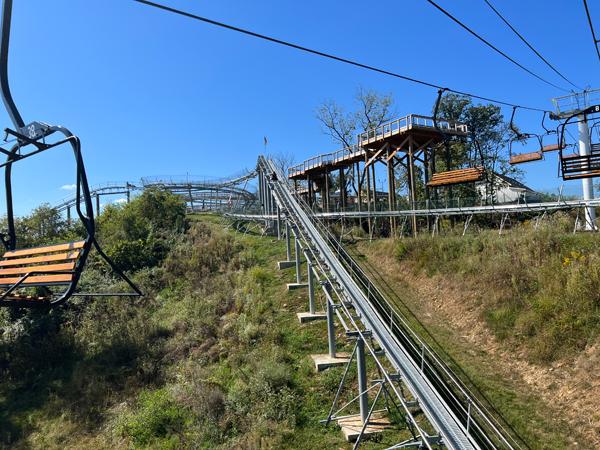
50, 265
456, 176
576, 166
553, 147
525, 157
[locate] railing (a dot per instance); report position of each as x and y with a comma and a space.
197, 179
410, 122
574, 102
498, 199
106, 186
326, 159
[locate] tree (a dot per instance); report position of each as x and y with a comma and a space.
138, 234
372, 109
283, 161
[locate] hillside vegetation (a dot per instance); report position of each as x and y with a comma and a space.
517, 316
212, 356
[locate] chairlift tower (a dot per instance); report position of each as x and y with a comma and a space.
581, 105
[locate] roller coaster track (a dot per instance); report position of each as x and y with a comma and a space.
457, 419
194, 189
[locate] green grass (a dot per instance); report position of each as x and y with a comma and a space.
537, 297
212, 357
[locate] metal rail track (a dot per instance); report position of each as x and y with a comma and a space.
456, 425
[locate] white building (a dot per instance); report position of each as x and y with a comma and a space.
506, 190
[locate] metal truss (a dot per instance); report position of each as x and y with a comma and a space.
410, 375
110, 188
465, 211
220, 192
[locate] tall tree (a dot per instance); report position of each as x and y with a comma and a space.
371, 110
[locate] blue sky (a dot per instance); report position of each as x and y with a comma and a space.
153, 93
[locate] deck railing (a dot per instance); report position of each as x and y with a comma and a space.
410, 122
323, 160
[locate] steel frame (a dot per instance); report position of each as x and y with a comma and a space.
405, 361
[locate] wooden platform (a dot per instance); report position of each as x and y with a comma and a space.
417, 126
352, 426
323, 362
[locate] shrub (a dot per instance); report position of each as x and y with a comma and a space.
157, 418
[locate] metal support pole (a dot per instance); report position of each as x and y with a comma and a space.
278, 223
311, 287
588, 183
288, 246
362, 380
97, 205
298, 275
69, 215
330, 325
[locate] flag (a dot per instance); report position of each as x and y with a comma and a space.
265, 141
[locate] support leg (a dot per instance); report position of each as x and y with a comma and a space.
330, 324
362, 380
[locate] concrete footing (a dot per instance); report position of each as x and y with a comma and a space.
291, 286
323, 362
351, 426
307, 317
285, 264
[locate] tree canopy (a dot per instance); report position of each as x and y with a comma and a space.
372, 109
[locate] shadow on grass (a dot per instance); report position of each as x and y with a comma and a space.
46, 375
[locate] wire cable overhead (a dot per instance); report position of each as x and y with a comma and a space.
325, 55
528, 45
494, 48
592, 28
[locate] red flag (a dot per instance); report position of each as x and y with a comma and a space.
265, 141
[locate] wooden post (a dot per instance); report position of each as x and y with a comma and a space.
327, 188
368, 189
374, 187
412, 182
390, 176
342, 190
358, 182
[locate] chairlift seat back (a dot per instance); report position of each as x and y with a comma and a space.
457, 176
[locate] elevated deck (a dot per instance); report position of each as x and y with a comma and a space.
418, 126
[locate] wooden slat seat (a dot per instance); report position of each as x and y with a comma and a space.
456, 176
576, 166
552, 147
50, 265
525, 157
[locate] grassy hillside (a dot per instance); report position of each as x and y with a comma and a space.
517, 316
212, 357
